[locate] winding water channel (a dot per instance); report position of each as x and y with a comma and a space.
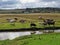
13, 35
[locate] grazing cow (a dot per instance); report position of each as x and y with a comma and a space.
11, 21
49, 22
8, 19
32, 25
22, 21
16, 18
40, 17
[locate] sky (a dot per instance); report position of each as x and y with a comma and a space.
19, 4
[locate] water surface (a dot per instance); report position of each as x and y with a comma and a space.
13, 35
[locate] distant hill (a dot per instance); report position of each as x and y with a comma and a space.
31, 10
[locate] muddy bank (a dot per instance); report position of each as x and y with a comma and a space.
29, 29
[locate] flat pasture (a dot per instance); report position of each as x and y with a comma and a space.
33, 17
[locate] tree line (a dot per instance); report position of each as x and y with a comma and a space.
31, 10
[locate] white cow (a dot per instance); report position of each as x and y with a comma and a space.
11, 21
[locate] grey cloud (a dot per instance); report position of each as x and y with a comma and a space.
7, 3
49, 0
40, 3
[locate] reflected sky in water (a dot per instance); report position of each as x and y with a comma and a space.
13, 35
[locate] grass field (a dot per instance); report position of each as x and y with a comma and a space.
29, 17
42, 39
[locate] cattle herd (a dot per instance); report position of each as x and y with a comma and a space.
32, 24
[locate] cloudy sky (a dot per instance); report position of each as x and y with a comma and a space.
14, 4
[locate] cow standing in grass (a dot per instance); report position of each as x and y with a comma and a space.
22, 21
16, 19
49, 22
32, 25
11, 21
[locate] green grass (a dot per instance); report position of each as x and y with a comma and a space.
17, 25
23, 25
43, 39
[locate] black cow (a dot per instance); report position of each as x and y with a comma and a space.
16, 18
32, 25
49, 22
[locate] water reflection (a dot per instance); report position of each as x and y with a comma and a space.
13, 35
